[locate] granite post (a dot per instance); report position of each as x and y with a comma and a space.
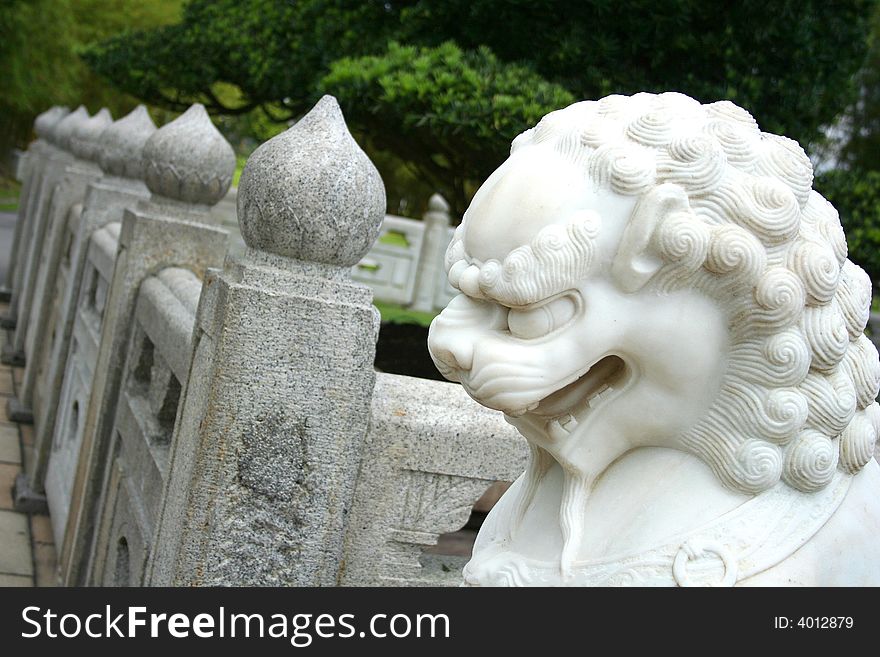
268, 441
188, 168
66, 202
30, 171
120, 153
55, 157
35, 230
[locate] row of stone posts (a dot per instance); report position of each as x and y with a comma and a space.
152, 191
217, 438
188, 167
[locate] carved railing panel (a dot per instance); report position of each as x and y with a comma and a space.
429, 456
156, 365
78, 376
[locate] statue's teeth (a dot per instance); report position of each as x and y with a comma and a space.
568, 422
600, 395
556, 430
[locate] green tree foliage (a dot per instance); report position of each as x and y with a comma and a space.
856, 195
39, 65
787, 61
403, 69
34, 70
462, 107
854, 187
862, 148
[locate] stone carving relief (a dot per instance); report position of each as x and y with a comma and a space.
433, 504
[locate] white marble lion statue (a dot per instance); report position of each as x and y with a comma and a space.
657, 299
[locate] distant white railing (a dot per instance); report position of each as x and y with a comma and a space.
405, 265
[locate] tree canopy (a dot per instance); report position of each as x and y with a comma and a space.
445, 86
861, 147
39, 66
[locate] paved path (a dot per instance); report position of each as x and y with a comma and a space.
27, 552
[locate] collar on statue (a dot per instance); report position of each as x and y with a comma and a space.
748, 540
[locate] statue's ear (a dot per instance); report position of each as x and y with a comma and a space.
635, 264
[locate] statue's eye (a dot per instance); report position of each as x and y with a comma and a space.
541, 320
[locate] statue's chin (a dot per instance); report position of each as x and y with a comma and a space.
651, 491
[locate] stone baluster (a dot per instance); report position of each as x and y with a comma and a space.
40, 303
56, 158
430, 270
30, 171
268, 440
188, 168
63, 185
120, 154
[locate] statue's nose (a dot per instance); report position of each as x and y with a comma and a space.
450, 348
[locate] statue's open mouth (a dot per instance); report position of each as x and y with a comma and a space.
571, 403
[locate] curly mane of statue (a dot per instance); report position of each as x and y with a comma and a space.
799, 397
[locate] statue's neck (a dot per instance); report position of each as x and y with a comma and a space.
642, 499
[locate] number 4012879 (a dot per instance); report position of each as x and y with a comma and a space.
814, 622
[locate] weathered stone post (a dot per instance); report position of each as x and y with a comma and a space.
65, 206
120, 152
268, 442
64, 185
57, 157
30, 171
430, 271
188, 168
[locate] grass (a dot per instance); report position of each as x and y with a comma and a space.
9, 192
394, 238
398, 315
239, 165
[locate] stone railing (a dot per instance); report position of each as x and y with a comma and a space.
423, 469
403, 267
56, 460
206, 414
140, 439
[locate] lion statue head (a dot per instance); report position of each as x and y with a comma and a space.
650, 271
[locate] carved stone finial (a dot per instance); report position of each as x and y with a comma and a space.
86, 135
44, 123
189, 160
121, 145
437, 204
311, 193
62, 131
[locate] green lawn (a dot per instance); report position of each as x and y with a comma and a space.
239, 165
9, 191
394, 238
